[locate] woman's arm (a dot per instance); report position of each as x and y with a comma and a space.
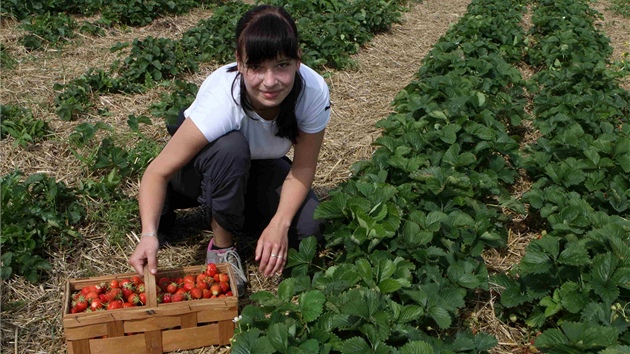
180, 149
274, 239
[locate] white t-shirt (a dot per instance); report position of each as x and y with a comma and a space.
217, 111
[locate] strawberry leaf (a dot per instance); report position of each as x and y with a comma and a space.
311, 305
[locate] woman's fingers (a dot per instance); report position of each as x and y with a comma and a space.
272, 262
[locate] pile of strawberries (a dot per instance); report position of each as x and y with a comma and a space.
130, 292
208, 284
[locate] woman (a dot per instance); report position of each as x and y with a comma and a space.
229, 153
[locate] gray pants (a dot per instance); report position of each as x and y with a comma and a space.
242, 194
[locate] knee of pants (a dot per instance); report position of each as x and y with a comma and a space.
226, 157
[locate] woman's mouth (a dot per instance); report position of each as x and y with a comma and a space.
270, 95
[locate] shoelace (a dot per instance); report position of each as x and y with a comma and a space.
236, 263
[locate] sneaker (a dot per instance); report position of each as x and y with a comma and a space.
229, 255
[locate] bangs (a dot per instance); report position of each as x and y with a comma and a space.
270, 39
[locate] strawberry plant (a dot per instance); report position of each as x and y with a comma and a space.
20, 124
349, 307
570, 280
6, 60
621, 7
48, 29
37, 212
182, 95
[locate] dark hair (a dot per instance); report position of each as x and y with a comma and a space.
265, 33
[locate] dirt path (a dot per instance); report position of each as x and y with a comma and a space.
363, 97
617, 28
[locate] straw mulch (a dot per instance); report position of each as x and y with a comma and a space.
31, 314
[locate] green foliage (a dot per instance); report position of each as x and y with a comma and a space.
111, 163
139, 13
154, 60
47, 29
20, 9
330, 31
181, 96
38, 214
573, 282
622, 7
134, 13
348, 307
75, 97
91, 29
6, 60
20, 124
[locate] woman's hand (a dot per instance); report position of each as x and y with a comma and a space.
146, 252
272, 248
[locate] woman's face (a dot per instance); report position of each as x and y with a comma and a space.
270, 82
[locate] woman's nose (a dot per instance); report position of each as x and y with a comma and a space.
269, 78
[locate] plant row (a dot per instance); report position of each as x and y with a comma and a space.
56, 22
330, 33
408, 228
133, 13
574, 282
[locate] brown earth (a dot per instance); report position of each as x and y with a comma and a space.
360, 98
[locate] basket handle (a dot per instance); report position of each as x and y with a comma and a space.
150, 287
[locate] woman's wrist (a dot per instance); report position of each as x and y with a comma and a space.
148, 234
282, 222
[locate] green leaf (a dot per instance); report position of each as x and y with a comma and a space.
250, 342
310, 346
536, 319
481, 98
551, 306
385, 268
440, 316
286, 289
417, 347
603, 267
439, 115
333, 208
622, 154
300, 260
311, 305
356, 345
573, 298
551, 338
575, 254
539, 255
389, 286
266, 298
278, 337
365, 270
410, 313
457, 274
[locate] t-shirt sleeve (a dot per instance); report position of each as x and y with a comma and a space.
315, 104
211, 110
